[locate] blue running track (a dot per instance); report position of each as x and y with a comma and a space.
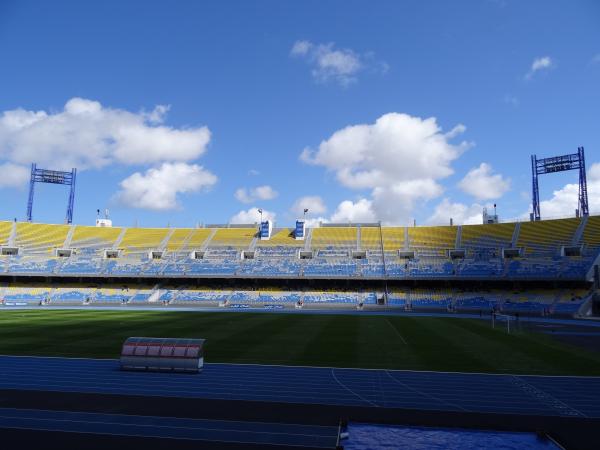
169, 427
439, 391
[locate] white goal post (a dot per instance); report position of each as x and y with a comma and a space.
502, 317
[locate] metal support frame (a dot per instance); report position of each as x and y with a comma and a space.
573, 161
52, 177
385, 277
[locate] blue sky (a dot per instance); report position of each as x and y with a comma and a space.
168, 109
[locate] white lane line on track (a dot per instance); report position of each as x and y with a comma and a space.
121, 377
127, 378
154, 426
350, 390
4, 410
424, 394
179, 438
230, 393
544, 397
153, 394
478, 406
470, 381
212, 389
254, 382
357, 369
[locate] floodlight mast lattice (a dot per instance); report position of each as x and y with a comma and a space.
573, 161
52, 177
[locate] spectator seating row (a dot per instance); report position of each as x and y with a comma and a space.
532, 301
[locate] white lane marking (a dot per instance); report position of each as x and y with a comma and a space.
424, 394
358, 369
350, 390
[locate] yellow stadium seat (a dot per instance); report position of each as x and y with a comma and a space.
488, 236
345, 237
94, 237
39, 237
591, 233
435, 240
393, 238
370, 238
547, 236
234, 237
5, 229
138, 240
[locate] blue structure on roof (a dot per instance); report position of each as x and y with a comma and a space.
52, 177
299, 231
265, 229
573, 161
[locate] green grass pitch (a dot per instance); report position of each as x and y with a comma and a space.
351, 340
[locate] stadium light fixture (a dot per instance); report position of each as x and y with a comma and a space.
52, 177
573, 161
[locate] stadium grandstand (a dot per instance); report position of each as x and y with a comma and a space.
496, 266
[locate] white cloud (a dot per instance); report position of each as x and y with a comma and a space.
564, 201
347, 211
87, 135
593, 173
314, 203
264, 192
460, 213
158, 114
301, 48
14, 175
315, 222
253, 172
359, 211
399, 158
483, 184
541, 63
331, 64
396, 147
258, 193
157, 189
252, 216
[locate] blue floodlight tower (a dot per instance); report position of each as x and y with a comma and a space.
573, 161
52, 177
